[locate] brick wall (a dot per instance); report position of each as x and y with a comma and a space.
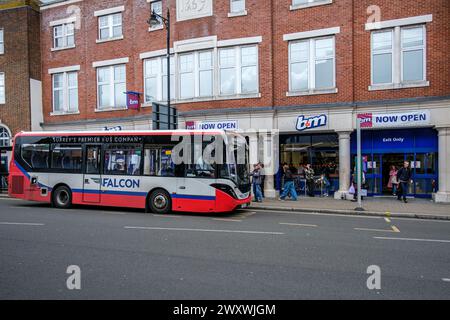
21, 26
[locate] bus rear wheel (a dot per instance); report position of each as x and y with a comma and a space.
160, 202
62, 197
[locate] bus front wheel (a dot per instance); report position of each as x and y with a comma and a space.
160, 202
62, 197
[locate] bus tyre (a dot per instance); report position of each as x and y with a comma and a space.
160, 202
62, 197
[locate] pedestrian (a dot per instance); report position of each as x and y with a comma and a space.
403, 178
288, 187
256, 174
354, 183
309, 176
392, 183
263, 178
326, 179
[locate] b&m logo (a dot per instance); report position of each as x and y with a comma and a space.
304, 123
120, 183
366, 120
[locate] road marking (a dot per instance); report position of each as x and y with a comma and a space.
376, 230
320, 214
446, 279
228, 220
395, 229
22, 224
299, 224
1, 198
387, 220
166, 215
205, 230
412, 239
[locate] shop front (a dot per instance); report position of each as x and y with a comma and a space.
321, 150
384, 148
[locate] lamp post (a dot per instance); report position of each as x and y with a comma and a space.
153, 21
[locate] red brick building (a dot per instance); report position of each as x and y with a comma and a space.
20, 71
303, 67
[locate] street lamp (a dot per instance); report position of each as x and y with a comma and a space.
153, 22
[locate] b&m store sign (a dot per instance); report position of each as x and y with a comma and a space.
391, 120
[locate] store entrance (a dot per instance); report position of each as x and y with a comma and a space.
388, 160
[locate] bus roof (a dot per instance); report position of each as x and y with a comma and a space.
117, 133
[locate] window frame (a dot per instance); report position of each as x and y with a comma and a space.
160, 79
65, 35
237, 11
391, 51
2, 41
423, 47
238, 71
3, 88
110, 26
66, 108
311, 61
161, 24
5, 135
397, 59
112, 84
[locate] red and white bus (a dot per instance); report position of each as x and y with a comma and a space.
133, 169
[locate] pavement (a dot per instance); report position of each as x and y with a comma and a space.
250, 254
373, 206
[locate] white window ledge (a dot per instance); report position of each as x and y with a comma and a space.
62, 48
310, 4
203, 99
108, 109
109, 39
160, 27
105, 12
220, 98
394, 86
237, 14
311, 92
63, 113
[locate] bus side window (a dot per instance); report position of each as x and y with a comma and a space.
123, 160
36, 155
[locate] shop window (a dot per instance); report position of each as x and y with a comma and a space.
121, 160
36, 155
66, 157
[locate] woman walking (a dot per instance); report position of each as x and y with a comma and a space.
392, 183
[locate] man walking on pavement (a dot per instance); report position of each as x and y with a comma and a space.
403, 178
256, 174
288, 187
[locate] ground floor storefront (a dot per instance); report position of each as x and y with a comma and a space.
383, 149
325, 137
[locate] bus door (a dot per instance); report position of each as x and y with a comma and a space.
92, 178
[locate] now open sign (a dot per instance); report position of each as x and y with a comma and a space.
133, 99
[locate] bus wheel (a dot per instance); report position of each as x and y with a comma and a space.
62, 197
160, 202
